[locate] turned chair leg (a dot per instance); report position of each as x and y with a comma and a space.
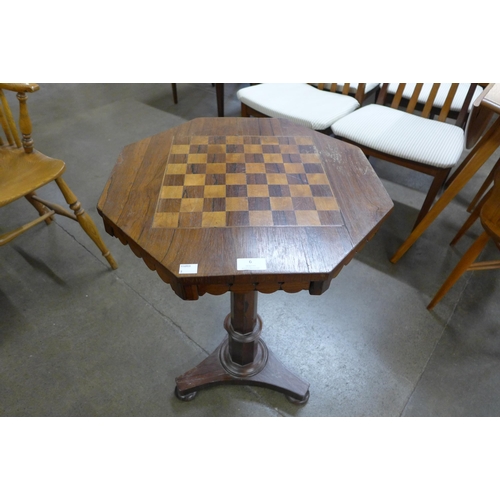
85, 221
40, 208
467, 260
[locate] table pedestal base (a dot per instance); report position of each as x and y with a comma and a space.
242, 359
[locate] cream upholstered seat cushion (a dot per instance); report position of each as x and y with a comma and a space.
298, 102
441, 95
403, 135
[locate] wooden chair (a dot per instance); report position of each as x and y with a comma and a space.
394, 130
23, 170
490, 220
315, 106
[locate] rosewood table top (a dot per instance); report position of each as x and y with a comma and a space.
215, 190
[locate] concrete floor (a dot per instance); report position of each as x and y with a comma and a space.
77, 339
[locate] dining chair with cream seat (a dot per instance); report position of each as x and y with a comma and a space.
23, 170
393, 129
315, 106
490, 220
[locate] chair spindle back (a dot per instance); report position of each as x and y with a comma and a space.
7, 121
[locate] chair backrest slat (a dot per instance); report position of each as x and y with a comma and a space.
344, 88
447, 103
430, 100
414, 98
8, 123
398, 96
464, 112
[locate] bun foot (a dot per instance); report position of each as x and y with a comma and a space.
185, 397
296, 401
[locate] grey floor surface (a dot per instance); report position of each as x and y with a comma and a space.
77, 339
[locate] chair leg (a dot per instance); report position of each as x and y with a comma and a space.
469, 258
486, 184
85, 221
40, 207
471, 219
244, 111
437, 184
174, 92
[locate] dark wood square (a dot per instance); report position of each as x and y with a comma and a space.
236, 190
259, 204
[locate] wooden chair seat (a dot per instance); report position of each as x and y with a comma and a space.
21, 174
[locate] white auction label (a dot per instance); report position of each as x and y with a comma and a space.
251, 264
188, 269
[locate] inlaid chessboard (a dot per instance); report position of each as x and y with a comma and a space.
253, 181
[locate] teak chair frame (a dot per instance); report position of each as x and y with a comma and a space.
427, 110
23, 170
489, 212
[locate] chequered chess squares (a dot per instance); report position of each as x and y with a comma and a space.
227, 181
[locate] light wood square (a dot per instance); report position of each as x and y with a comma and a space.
272, 158
255, 168
179, 149
194, 180
213, 219
310, 158
215, 192
191, 205
252, 148
236, 179
199, 139
269, 140
317, 179
323, 203
258, 190
281, 204
171, 192
307, 218
216, 149
216, 168
234, 139
235, 158
277, 179
176, 168
236, 204
261, 218
304, 140
294, 168
298, 190
289, 149
197, 158
166, 219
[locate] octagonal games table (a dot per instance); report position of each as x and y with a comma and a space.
243, 205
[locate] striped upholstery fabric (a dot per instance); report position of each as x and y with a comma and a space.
403, 135
298, 102
441, 95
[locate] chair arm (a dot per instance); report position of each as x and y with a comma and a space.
20, 87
